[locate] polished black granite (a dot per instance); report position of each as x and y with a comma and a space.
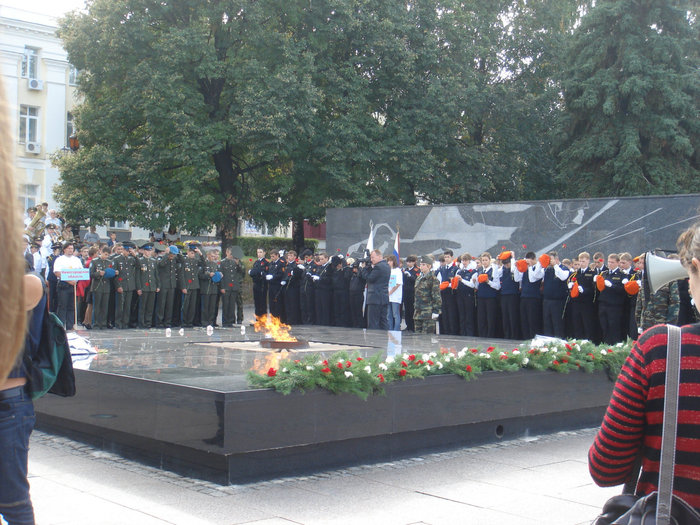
187, 407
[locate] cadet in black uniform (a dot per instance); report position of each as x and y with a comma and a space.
611, 301
307, 297
410, 274
274, 277
291, 288
258, 273
323, 290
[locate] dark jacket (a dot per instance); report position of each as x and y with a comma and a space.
377, 278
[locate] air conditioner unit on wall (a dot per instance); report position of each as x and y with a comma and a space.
36, 85
32, 147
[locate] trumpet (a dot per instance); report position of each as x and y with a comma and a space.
32, 230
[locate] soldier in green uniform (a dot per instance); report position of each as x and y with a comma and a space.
189, 283
126, 266
209, 287
427, 301
232, 273
147, 285
100, 287
168, 266
662, 308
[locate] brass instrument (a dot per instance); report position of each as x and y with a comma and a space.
32, 230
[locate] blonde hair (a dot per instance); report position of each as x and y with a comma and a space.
12, 264
689, 246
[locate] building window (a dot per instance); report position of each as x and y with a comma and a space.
250, 228
73, 74
28, 195
28, 124
30, 63
118, 225
70, 128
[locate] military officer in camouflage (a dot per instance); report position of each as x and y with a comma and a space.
427, 301
147, 285
663, 306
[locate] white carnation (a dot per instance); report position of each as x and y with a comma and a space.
526, 361
309, 367
368, 369
383, 366
389, 360
516, 352
348, 373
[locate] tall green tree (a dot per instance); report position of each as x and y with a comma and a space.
630, 125
186, 105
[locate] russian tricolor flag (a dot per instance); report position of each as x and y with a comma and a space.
396, 246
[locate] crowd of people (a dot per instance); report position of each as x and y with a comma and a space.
159, 284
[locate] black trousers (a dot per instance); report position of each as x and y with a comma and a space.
292, 307
466, 308
65, 304
611, 324
510, 316
449, 319
408, 303
553, 317
324, 307
530, 316
356, 317
584, 319
487, 313
376, 317
260, 297
308, 308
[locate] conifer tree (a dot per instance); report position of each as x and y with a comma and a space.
630, 124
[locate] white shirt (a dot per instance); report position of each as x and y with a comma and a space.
396, 277
65, 262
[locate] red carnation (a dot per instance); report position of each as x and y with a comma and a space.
430, 362
555, 363
473, 350
359, 359
402, 372
419, 362
381, 378
531, 351
296, 360
411, 357
404, 364
504, 357
565, 361
348, 364
272, 372
490, 349
326, 370
325, 362
340, 365
469, 368
568, 346
230, 285
189, 280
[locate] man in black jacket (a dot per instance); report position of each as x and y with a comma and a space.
377, 276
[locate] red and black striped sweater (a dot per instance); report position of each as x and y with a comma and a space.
634, 418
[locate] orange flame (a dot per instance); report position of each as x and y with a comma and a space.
272, 360
273, 328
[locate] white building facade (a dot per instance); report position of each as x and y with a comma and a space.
40, 89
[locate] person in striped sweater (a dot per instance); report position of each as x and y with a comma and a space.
634, 418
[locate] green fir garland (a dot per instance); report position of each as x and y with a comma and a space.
362, 376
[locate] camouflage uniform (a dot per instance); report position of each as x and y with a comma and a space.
427, 302
662, 307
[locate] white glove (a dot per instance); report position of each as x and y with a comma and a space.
608, 283
301, 266
268, 277
315, 277
625, 281
465, 282
434, 316
570, 285
283, 283
475, 277
407, 273
249, 272
639, 330
580, 289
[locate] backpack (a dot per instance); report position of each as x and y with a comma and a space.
49, 367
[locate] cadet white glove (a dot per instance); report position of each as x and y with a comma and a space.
465, 282
625, 281
608, 283
570, 285
268, 277
580, 289
434, 316
249, 272
301, 266
315, 277
283, 283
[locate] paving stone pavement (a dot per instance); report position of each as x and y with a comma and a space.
537, 480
